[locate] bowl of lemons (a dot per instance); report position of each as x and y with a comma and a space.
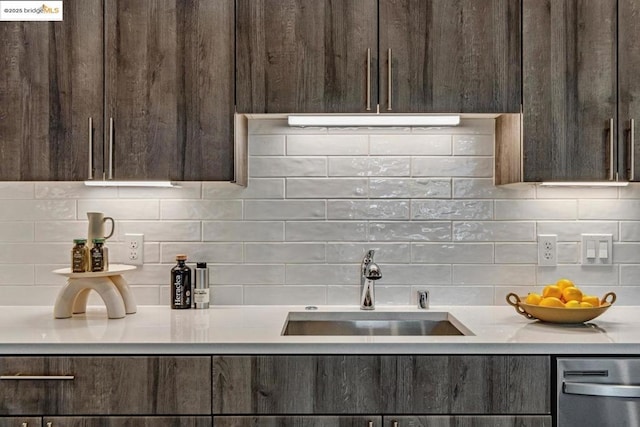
562, 302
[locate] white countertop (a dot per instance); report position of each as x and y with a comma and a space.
257, 330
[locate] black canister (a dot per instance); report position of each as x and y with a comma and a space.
181, 284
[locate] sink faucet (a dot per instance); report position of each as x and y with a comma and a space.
369, 271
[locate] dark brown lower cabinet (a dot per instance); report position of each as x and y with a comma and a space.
127, 421
20, 422
299, 421
371, 384
470, 421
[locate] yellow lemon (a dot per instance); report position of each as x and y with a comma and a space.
551, 291
564, 283
551, 302
572, 293
593, 300
584, 304
533, 298
572, 304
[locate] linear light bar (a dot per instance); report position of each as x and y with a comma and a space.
584, 184
112, 183
372, 120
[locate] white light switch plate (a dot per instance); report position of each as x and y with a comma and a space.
597, 249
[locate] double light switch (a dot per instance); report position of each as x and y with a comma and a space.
597, 249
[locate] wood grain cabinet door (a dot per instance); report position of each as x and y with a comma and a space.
50, 84
569, 89
105, 385
298, 385
306, 56
170, 89
629, 85
450, 56
20, 422
469, 421
127, 421
299, 421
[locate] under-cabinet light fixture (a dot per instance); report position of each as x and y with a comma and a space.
112, 183
371, 120
584, 184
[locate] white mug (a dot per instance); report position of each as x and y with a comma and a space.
96, 226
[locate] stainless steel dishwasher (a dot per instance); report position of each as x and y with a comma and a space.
598, 392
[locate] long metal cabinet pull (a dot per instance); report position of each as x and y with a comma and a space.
90, 175
395, 424
632, 148
370, 423
611, 151
36, 377
25, 424
606, 390
110, 170
369, 79
49, 424
390, 80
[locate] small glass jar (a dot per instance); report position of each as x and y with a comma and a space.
99, 256
80, 256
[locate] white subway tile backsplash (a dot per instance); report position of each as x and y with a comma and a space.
479, 167
202, 252
257, 188
243, 231
120, 209
281, 253
452, 253
496, 231
368, 209
414, 231
314, 231
369, 166
287, 166
201, 209
267, 145
451, 209
17, 231
314, 188
317, 199
327, 145
473, 145
536, 209
410, 145
284, 209
405, 188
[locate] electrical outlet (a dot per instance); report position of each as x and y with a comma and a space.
547, 250
134, 248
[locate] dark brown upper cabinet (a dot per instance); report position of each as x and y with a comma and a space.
155, 77
169, 90
307, 56
629, 84
303, 56
441, 56
570, 96
50, 84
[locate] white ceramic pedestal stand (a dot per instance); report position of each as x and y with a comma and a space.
110, 285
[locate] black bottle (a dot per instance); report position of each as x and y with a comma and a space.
181, 284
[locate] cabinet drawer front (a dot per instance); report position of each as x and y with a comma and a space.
105, 385
20, 422
299, 421
469, 420
298, 385
127, 421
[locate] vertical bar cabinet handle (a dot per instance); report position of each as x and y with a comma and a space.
49, 424
24, 425
611, 151
110, 154
370, 424
395, 423
389, 80
369, 79
632, 147
90, 174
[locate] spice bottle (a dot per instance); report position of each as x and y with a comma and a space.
98, 259
181, 284
201, 291
80, 256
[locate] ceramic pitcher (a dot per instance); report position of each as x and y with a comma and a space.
96, 226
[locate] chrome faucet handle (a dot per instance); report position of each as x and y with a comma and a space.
367, 259
372, 271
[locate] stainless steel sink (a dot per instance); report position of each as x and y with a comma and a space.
383, 323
